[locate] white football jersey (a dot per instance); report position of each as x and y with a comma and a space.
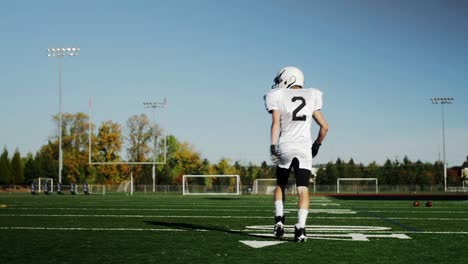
296, 107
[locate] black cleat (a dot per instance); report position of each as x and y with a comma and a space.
278, 230
299, 234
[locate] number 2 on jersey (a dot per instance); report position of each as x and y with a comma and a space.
303, 103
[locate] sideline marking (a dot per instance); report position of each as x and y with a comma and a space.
260, 244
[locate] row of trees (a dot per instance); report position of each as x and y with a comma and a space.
137, 140
11, 170
112, 142
182, 159
405, 172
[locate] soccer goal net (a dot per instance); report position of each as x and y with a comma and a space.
91, 189
124, 186
267, 186
211, 185
357, 185
44, 185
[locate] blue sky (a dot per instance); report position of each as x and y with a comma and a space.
377, 62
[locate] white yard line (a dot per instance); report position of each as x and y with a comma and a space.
329, 211
224, 216
358, 207
312, 230
88, 228
170, 205
429, 211
137, 209
134, 216
374, 232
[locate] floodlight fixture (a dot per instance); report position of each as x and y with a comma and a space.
60, 53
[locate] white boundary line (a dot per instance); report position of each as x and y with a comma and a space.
376, 232
224, 217
226, 210
267, 204
246, 230
327, 211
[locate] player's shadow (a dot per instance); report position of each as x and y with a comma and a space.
194, 227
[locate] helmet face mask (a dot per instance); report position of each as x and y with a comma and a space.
288, 77
278, 79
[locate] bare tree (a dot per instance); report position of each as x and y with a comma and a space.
140, 136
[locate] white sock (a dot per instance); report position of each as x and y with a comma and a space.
279, 208
302, 215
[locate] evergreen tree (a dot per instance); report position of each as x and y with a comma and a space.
328, 175
30, 169
351, 169
47, 166
17, 169
5, 167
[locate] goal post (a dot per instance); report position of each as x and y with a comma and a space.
44, 184
91, 189
211, 185
357, 185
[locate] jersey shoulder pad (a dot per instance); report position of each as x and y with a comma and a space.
274, 91
271, 99
316, 96
314, 91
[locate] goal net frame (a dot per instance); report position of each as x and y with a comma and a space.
270, 188
92, 189
40, 182
127, 186
185, 185
357, 179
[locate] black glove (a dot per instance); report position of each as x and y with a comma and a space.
315, 148
274, 154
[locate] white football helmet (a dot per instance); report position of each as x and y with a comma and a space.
288, 77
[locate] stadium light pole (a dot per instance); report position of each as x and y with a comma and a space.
153, 106
443, 101
60, 53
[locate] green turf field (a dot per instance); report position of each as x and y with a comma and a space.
189, 229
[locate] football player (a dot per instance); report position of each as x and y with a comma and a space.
292, 109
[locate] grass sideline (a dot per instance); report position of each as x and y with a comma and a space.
173, 228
